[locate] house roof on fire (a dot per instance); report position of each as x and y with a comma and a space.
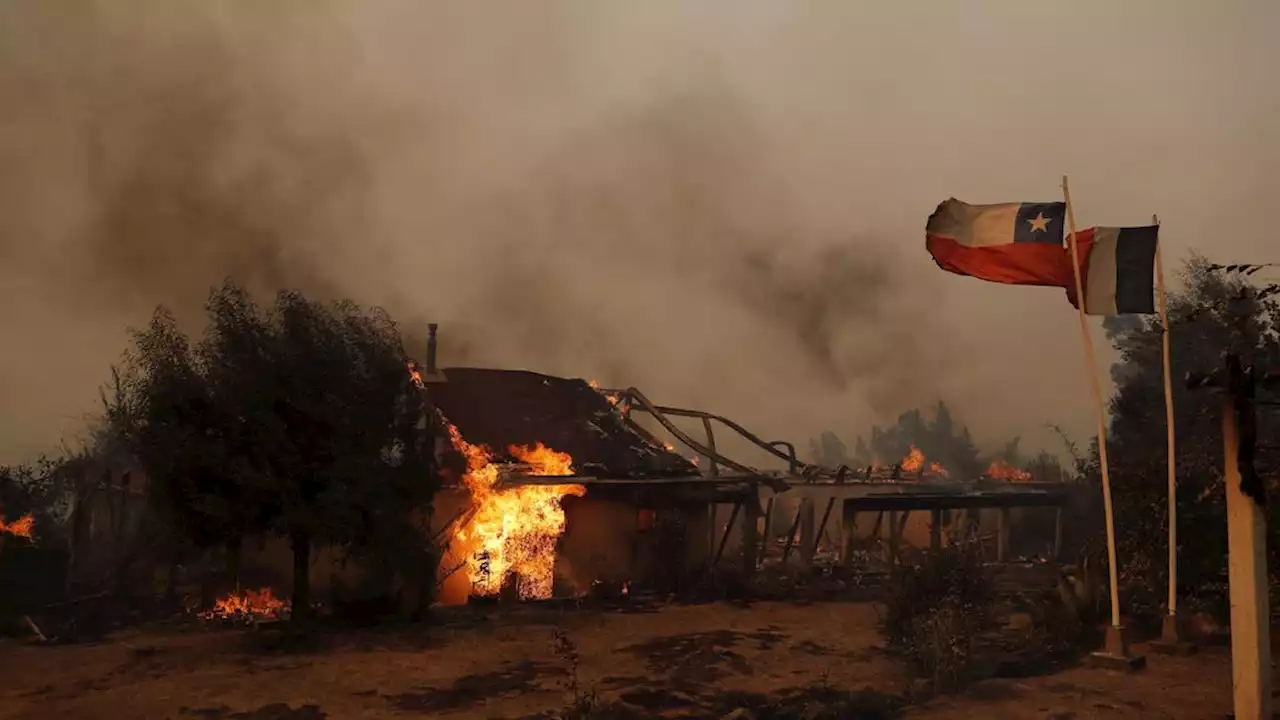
500, 408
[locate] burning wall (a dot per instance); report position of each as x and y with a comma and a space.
529, 424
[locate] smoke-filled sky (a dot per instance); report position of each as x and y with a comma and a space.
721, 203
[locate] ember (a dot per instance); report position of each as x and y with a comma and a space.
1001, 470
22, 527
611, 397
248, 605
514, 530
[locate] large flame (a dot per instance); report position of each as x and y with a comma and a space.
513, 530
1001, 470
916, 460
22, 527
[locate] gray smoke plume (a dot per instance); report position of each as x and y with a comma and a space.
722, 207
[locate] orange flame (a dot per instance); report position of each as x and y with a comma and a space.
22, 527
916, 460
1001, 470
913, 461
513, 530
611, 397
416, 376
261, 603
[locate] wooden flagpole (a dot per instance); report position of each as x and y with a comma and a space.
1170, 632
1115, 638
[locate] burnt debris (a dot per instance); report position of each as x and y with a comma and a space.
501, 408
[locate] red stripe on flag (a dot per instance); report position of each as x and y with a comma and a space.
1042, 264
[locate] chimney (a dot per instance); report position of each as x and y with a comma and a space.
431, 348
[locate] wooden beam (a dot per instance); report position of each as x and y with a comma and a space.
822, 527
728, 528
935, 530
791, 534
768, 530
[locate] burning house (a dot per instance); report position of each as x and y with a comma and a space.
558, 489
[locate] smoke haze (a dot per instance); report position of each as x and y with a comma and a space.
721, 203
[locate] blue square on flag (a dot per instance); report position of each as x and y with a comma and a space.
1040, 223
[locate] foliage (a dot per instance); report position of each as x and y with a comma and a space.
935, 610
298, 420
1208, 316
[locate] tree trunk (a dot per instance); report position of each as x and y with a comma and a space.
234, 552
301, 603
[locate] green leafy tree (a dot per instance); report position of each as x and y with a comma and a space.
298, 420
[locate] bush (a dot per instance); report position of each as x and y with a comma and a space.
935, 610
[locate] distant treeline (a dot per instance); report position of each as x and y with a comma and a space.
940, 438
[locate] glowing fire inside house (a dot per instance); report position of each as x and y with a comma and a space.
513, 529
22, 527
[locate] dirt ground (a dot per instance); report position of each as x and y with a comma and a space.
698, 661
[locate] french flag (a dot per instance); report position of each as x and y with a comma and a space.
1117, 270
1010, 243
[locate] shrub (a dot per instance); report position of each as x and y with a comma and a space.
936, 609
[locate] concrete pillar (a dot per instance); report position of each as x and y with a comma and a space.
935, 530
1002, 535
808, 528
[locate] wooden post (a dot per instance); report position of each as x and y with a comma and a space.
1246, 560
1091, 365
848, 532
1002, 535
791, 533
935, 530
1170, 636
808, 530
750, 532
891, 544
1057, 533
768, 529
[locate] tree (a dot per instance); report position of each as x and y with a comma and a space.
299, 420
829, 450
1208, 316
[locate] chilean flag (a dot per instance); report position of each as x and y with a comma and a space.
1117, 269
1011, 243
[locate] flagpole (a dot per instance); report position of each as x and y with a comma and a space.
1115, 644
1168, 415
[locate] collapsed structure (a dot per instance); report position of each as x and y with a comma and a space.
627, 507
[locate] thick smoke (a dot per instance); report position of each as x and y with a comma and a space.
711, 207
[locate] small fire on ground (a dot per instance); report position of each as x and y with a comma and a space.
513, 530
22, 527
247, 605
